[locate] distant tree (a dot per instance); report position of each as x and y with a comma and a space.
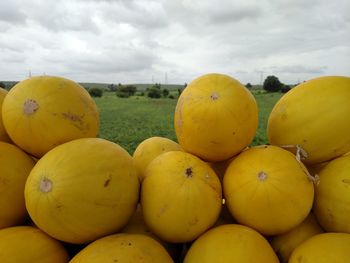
112, 87
272, 84
95, 92
248, 85
165, 93
285, 88
179, 90
157, 85
129, 90
154, 92
2, 85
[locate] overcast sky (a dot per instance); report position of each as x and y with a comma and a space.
140, 41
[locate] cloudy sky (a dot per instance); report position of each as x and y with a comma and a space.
174, 41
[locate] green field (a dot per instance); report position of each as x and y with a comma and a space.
130, 121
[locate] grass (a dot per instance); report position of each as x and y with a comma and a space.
265, 101
130, 121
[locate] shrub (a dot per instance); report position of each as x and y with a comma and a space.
165, 93
154, 93
122, 94
171, 96
95, 92
248, 85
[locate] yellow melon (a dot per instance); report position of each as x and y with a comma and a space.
215, 117
180, 197
137, 225
332, 199
313, 116
149, 149
82, 190
15, 166
3, 134
285, 244
323, 248
231, 243
123, 248
26, 244
268, 189
40, 113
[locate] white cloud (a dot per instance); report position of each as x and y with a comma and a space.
135, 41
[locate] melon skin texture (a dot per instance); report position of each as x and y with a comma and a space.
332, 196
3, 134
313, 115
216, 117
26, 244
123, 248
231, 243
42, 112
268, 189
149, 149
323, 248
181, 197
285, 244
15, 166
82, 190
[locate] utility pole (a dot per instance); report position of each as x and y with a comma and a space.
261, 77
166, 78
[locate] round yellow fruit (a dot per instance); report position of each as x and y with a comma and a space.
314, 116
3, 134
268, 189
15, 166
231, 243
26, 244
123, 248
137, 225
332, 195
216, 117
285, 244
82, 190
180, 197
323, 248
40, 113
149, 149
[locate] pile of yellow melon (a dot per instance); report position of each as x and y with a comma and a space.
68, 196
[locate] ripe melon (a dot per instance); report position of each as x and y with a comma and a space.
149, 149
82, 190
323, 248
268, 189
284, 244
26, 244
123, 248
231, 243
180, 197
15, 166
3, 134
314, 116
40, 113
332, 195
216, 117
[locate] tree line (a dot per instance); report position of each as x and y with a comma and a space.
272, 84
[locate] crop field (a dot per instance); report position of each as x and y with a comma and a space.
130, 121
